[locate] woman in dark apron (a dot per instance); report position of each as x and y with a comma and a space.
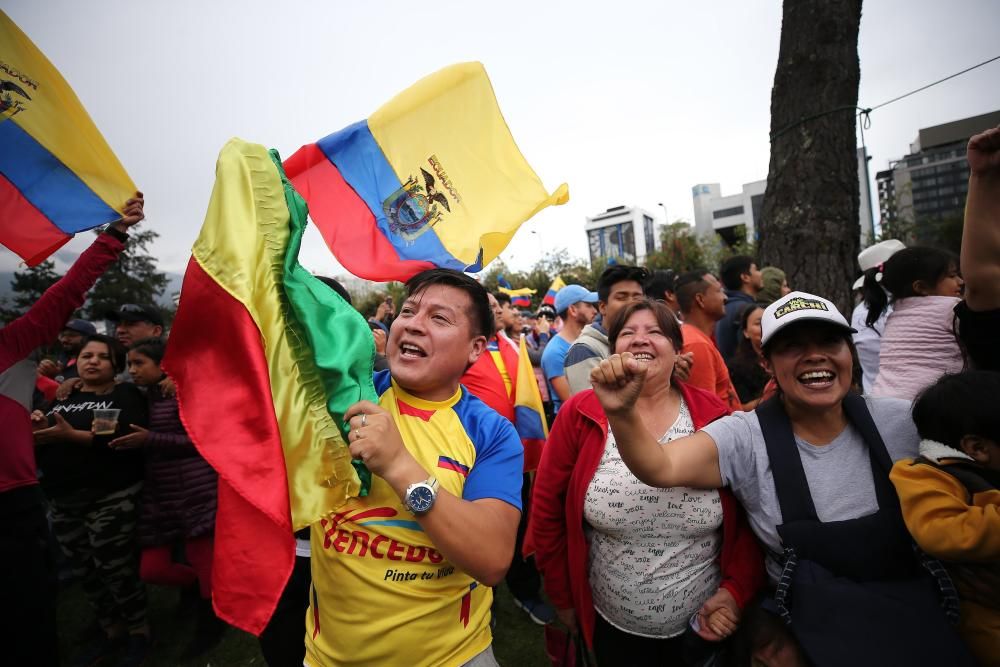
811, 468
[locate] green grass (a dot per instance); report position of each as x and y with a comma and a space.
517, 641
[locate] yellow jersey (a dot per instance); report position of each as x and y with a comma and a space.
381, 593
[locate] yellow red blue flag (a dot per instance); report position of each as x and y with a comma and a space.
58, 176
529, 415
431, 179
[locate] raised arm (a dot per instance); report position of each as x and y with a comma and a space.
42, 323
981, 233
690, 461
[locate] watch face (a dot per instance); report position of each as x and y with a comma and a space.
421, 498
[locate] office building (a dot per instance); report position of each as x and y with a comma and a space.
625, 234
736, 217
930, 183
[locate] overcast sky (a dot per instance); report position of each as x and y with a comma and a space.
629, 102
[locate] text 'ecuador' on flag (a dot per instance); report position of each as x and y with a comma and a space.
266, 359
58, 176
431, 179
529, 415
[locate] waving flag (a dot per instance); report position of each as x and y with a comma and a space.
520, 297
266, 418
529, 415
550, 296
433, 178
58, 176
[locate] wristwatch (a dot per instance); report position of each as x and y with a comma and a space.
419, 498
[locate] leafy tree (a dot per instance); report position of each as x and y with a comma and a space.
944, 232
556, 262
583, 274
132, 279
717, 252
369, 303
682, 249
809, 219
27, 288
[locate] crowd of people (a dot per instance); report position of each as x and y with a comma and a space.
736, 473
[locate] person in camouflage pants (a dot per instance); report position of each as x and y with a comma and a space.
98, 538
93, 491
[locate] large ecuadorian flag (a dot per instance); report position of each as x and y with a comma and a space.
58, 176
431, 179
266, 359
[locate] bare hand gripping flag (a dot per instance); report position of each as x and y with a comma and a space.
266, 359
431, 179
58, 176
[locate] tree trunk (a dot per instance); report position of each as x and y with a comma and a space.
809, 221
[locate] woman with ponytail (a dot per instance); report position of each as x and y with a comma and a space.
919, 344
868, 337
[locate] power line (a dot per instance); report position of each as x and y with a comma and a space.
863, 113
951, 76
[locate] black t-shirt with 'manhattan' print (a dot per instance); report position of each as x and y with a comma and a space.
69, 468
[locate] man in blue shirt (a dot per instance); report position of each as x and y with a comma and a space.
743, 282
576, 306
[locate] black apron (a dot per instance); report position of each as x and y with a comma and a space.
854, 592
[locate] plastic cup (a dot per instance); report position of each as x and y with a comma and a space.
106, 421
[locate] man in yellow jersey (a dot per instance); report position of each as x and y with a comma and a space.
403, 576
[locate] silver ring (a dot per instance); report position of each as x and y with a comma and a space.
364, 419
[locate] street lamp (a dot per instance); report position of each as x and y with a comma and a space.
666, 220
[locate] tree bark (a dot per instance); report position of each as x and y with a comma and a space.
809, 219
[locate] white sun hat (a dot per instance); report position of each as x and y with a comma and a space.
796, 307
874, 255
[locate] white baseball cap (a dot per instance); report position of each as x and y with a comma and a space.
876, 254
797, 307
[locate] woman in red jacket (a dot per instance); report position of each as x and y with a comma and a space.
629, 565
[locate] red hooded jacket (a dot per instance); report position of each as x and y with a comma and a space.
555, 525
40, 326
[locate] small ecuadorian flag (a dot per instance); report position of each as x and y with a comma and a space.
58, 176
529, 415
432, 179
520, 297
550, 296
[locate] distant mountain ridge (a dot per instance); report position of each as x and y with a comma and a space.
166, 299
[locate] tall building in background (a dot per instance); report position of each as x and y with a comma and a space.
623, 233
925, 189
732, 217
736, 217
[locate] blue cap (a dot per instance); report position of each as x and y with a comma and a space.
81, 326
571, 294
